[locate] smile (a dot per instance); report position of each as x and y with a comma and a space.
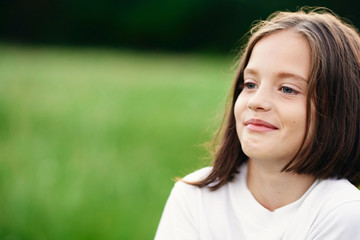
258, 125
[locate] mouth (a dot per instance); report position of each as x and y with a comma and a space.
258, 125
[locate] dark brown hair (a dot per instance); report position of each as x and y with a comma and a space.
333, 151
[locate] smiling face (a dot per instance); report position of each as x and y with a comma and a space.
270, 111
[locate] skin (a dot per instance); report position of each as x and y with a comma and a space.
270, 116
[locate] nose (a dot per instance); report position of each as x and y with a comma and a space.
260, 100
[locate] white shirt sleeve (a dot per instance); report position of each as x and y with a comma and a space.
342, 223
179, 219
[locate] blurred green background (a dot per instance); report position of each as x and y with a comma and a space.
104, 103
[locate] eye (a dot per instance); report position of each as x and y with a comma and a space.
288, 90
249, 85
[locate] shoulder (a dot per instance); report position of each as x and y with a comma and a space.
182, 187
182, 206
332, 194
180, 218
337, 192
342, 201
348, 211
198, 175
341, 222
339, 212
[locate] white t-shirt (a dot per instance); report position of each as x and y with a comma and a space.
329, 210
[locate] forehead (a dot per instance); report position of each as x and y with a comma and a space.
284, 51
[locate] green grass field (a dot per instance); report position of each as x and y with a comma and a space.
91, 139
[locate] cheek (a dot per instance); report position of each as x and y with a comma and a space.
312, 128
240, 106
236, 110
297, 126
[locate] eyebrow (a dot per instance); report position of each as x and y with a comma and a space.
279, 74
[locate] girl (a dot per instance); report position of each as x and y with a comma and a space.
288, 163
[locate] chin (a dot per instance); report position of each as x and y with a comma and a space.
255, 153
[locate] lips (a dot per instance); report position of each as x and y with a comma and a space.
259, 125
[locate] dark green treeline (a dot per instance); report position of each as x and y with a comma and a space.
176, 25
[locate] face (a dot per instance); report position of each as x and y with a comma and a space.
270, 112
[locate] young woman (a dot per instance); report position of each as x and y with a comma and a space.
288, 163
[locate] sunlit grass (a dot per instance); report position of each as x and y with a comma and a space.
92, 138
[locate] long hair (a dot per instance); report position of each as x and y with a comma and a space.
333, 151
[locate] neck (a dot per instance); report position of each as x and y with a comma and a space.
274, 189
